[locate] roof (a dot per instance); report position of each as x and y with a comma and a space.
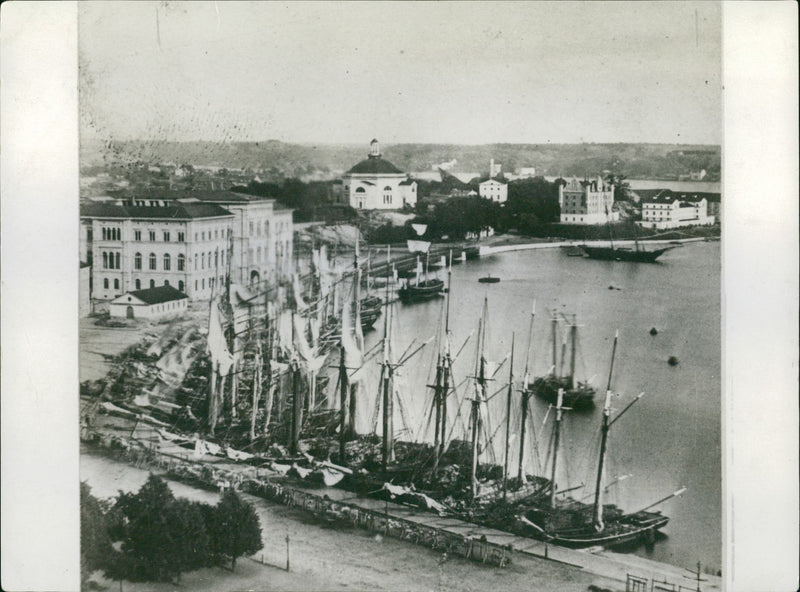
158, 295
407, 182
501, 181
374, 166
178, 211
669, 196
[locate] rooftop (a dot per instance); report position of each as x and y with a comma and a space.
374, 166
158, 295
178, 211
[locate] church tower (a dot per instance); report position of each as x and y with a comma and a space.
374, 149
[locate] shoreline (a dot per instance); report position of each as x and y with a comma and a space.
491, 250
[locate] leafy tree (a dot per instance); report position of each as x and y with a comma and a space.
235, 529
161, 536
95, 541
622, 187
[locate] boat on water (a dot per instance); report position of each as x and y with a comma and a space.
489, 279
577, 395
638, 254
424, 286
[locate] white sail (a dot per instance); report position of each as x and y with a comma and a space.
353, 354
419, 228
298, 296
417, 246
308, 355
285, 329
217, 346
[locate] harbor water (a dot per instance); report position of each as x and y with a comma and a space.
669, 439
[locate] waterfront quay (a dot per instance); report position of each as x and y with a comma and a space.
331, 505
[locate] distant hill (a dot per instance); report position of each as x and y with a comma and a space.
279, 159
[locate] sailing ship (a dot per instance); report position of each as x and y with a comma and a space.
616, 253
424, 286
573, 523
577, 395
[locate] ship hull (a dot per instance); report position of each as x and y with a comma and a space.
617, 254
640, 527
422, 291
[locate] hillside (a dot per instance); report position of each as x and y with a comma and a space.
276, 159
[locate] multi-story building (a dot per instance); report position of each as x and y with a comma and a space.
134, 247
257, 244
494, 189
376, 184
587, 202
669, 210
263, 235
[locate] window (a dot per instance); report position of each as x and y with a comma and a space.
181, 262
116, 283
152, 236
359, 190
105, 259
116, 260
195, 284
258, 255
137, 261
105, 283
152, 260
181, 237
203, 283
166, 261
138, 284
223, 258
195, 237
180, 285
137, 235
216, 258
152, 283
166, 282
105, 233
209, 259
202, 260
251, 228
195, 261
203, 235
216, 234
166, 236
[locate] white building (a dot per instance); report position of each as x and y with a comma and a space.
376, 184
526, 172
494, 189
670, 211
151, 303
587, 202
135, 247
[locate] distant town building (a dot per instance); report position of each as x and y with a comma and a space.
376, 184
693, 176
444, 166
526, 172
587, 202
671, 210
494, 169
150, 303
494, 189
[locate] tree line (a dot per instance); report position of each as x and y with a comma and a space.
151, 535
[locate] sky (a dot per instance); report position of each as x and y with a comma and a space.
445, 72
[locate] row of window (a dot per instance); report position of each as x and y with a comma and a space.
257, 228
202, 235
153, 260
110, 260
165, 236
112, 233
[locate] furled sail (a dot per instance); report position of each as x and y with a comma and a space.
311, 360
298, 296
353, 352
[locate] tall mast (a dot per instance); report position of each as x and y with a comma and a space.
555, 343
447, 358
343, 389
387, 373
508, 415
559, 410
437, 405
573, 330
525, 396
479, 397
597, 514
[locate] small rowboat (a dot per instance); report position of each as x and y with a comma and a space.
489, 279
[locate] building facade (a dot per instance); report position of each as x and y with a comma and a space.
376, 184
670, 211
587, 202
136, 247
494, 190
150, 303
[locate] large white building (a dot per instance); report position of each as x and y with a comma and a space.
671, 211
587, 202
494, 189
376, 184
189, 241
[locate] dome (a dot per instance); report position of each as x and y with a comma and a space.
374, 166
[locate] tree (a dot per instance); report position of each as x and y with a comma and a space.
622, 187
161, 536
95, 541
235, 529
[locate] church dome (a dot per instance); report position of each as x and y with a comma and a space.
374, 164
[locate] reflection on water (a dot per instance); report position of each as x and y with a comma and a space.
671, 438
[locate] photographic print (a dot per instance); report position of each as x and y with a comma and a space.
406, 296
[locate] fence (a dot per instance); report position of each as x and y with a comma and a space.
200, 475
640, 584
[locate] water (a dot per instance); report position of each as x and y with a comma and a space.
669, 439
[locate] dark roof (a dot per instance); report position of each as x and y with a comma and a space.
158, 295
407, 182
205, 195
177, 211
374, 166
669, 196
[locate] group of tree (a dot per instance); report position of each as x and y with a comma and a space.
151, 535
310, 201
